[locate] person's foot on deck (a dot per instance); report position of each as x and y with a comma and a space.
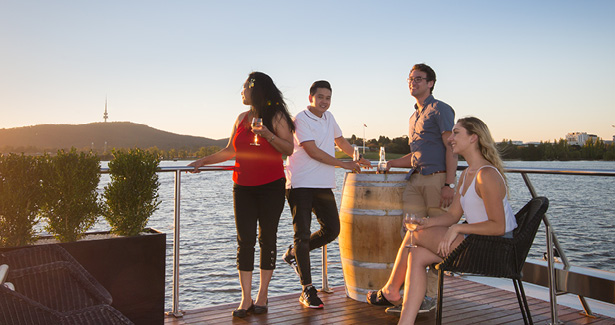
309, 298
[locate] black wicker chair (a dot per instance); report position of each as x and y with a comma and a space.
52, 288
43, 254
495, 256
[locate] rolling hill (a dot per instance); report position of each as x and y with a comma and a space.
94, 135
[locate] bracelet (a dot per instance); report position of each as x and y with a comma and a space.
272, 137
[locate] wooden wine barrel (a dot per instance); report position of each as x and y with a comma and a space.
371, 221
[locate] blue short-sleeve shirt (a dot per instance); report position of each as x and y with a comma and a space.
425, 135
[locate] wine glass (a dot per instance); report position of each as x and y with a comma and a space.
256, 122
411, 221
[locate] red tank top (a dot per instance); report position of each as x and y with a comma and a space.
255, 165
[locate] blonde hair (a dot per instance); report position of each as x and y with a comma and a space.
485, 142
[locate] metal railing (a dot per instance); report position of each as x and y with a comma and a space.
552, 242
551, 239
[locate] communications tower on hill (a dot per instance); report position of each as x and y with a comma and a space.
106, 115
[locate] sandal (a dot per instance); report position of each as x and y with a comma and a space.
377, 298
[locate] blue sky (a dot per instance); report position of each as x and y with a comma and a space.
533, 70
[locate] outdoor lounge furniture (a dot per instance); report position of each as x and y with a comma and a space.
43, 254
50, 287
495, 256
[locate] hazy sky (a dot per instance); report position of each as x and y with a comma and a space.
532, 70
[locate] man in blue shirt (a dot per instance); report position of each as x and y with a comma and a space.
431, 181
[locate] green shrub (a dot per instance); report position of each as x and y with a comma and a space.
131, 197
72, 205
21, 195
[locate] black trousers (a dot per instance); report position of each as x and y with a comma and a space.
302, 202
261, 204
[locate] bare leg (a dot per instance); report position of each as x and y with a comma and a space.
263, 290
432, 275
245, 280
398, 273
416, 277
416, 282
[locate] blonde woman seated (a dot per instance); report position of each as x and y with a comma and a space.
481, 197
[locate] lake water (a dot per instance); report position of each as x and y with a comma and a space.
581, 211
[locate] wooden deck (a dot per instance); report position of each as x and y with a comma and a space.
465, 302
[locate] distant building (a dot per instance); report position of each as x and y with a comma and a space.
579, 138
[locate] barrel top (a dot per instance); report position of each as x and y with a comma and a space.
372, 176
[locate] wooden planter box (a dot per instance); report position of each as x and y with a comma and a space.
132, 269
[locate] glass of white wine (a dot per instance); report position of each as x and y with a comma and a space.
411, 221
256, 122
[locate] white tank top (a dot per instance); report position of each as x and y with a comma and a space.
474, 207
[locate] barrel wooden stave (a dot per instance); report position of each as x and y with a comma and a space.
371, 219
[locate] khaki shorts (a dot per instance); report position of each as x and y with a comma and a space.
422, 195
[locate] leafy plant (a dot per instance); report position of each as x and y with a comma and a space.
70, 183
21, 195
131, 197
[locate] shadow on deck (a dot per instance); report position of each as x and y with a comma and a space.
465, 302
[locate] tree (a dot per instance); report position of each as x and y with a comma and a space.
71, 201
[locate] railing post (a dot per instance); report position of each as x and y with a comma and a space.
177, 198
550, 258
551, 275
325, 273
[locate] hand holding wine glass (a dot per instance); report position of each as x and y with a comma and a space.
411, 221
256, 122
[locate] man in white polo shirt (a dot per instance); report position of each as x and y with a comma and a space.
310, 176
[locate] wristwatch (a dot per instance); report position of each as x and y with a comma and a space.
450, 185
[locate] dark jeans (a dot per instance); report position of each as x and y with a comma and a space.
262, 204
302, 202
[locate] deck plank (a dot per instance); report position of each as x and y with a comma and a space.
465, 302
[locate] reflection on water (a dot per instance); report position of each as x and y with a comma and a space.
581, 212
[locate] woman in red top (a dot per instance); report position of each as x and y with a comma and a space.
258, 193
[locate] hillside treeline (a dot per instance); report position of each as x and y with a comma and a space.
181, 154
557, 150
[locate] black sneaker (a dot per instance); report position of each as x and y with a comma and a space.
309, 298
290, 259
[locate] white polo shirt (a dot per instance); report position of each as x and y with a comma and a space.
301, 169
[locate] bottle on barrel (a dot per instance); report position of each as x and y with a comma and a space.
356, 156
382, 164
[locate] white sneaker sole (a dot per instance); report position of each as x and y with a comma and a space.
304, 303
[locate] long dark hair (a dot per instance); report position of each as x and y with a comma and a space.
267, 100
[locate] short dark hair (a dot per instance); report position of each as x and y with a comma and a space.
319, 84
431, 75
